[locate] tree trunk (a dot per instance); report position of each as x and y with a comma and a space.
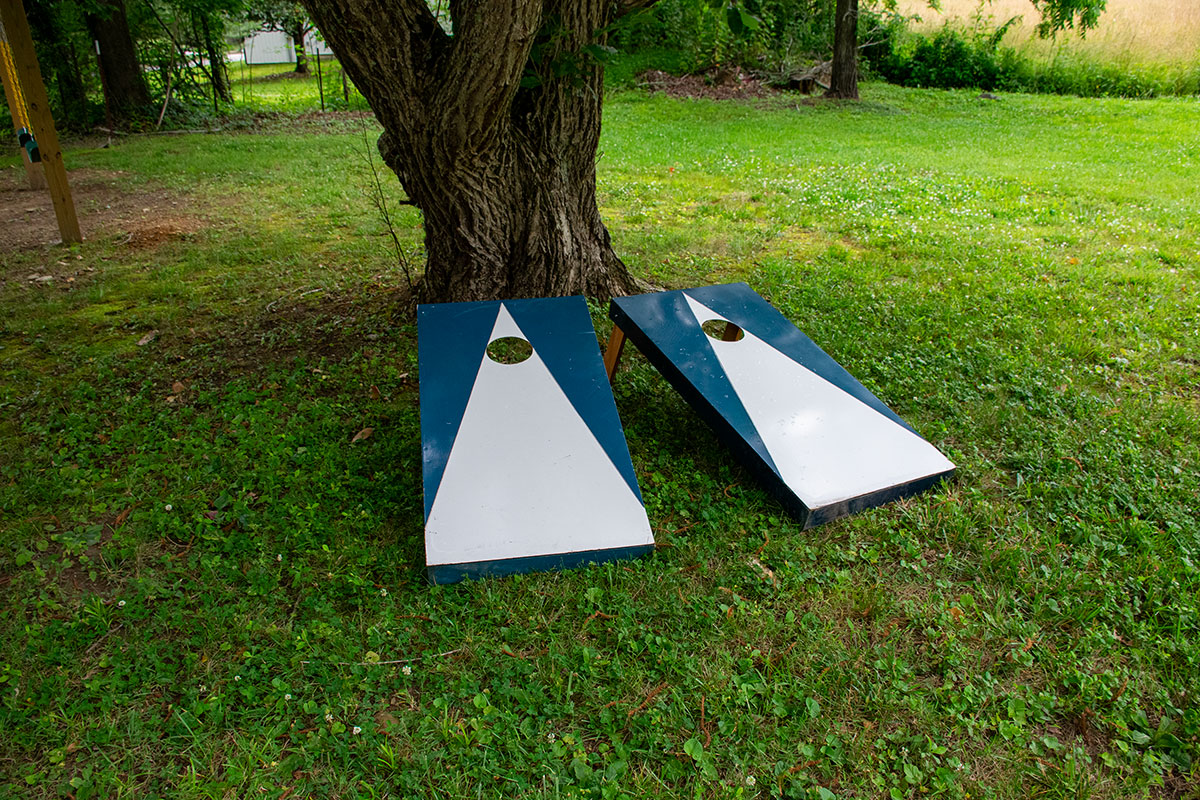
64, 61
297, 35
504, 175
124, 86
844, 82
518, 219
216, 62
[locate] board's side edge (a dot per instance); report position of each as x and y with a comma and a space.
453, 573
880, 497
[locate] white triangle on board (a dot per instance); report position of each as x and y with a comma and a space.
525, 476
828, 445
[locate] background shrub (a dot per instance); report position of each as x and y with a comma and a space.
691, 36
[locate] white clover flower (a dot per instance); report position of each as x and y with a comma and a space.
383, 592
121, 604
203, 688
168, 507
237, 677
750, 780
550, 736
287, 697
406, 669
329, 717
356, 730
279, 556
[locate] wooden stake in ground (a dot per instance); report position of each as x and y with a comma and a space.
27, 83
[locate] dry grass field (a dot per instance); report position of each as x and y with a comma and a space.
1130, 31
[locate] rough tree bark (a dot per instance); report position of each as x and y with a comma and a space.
844, 82
504, 174
123, 84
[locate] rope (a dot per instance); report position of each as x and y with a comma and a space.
19, 113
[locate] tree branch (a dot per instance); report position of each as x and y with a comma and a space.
492, 40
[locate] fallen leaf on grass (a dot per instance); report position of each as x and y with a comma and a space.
177, 387
365, 433
147, 339
765, 570
375, 392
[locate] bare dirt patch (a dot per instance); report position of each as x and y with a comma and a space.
158, 231
290, 75
146, 216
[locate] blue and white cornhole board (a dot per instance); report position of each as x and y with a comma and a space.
525, 465
816, 437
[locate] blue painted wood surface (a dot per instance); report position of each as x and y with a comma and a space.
814, 436
525, 465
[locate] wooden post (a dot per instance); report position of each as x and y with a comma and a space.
16, 107
14, 29
732, 333
612, 355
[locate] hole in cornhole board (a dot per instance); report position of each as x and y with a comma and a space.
723, 331
525, 467
814, 436
509, 350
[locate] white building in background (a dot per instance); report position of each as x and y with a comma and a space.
274, 47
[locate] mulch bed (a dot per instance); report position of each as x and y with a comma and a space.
718, 83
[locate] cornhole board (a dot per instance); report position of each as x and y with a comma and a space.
525, 465
812, 434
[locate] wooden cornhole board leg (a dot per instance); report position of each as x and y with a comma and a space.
812, 434
612, 354
525, 464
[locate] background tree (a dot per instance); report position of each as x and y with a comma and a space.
200, 25
288, 18
843, 83
63, 42
210, 33
125, 92
185, 27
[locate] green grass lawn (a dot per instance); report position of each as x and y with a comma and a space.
275, 87
210, 591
